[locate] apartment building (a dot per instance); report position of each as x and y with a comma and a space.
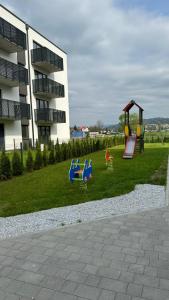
33, 85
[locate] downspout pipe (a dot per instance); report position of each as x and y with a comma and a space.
30, 83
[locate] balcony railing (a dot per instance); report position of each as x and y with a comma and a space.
13, 110
59, 116
49, 115
12, 39
48, 88
46, 59
44, 115
12, 74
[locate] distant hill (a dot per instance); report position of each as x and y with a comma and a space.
156, 120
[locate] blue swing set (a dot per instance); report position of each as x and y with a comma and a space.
80, 171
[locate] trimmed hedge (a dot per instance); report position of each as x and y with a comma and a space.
52, 154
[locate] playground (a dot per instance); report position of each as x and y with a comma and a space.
103, 174
134, 141
50, 187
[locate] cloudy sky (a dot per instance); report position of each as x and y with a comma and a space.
117, 50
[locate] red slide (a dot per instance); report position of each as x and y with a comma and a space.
130, 147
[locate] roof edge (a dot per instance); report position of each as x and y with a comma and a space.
130, 105
26, 24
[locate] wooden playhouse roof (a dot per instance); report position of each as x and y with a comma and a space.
130, 105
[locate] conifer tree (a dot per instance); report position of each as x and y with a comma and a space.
45, 156
29, 161
57, 152
38, 163
52, 156
70, 150
74, 151
17, 168
50, 144
5, 166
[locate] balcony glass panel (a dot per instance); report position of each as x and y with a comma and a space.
13, 72
48, 87
13, 110
49, 115
44, 115
13, 34
59, 116
47, 59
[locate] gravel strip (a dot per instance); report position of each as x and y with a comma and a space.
144, 197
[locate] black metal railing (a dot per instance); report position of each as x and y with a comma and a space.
13, 34
49, 115
13, 110
59, 116
48, 87
13, 71
44, 115
9, 109
43, 54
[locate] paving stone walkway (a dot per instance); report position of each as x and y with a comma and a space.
121, 258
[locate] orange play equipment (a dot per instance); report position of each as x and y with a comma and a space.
109, 159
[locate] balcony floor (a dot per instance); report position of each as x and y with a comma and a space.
46, 66
45, 95
9, 46
8, 81
6, 118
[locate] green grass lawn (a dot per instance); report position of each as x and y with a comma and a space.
50, 186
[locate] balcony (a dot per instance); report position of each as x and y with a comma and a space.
59, 116
11, 38
44, 115
48, 88
47, 60
49, 116
13, 110
12, 74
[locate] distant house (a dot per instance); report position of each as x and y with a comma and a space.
151, 127
85, 129
93, 133
78, 134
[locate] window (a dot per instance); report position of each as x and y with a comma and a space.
44, 134
39, 75
36, 45
25, 132
22, 98
42, 103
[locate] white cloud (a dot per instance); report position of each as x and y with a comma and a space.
114, 55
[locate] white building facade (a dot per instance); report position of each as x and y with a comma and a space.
33, 86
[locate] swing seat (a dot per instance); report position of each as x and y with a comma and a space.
83, 174
79, 172
110, 158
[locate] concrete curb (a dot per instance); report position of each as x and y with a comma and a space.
167, 185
